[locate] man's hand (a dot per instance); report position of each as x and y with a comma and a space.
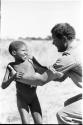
19, 75
53, 75
58, 74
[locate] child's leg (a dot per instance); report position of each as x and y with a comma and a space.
36, 111
23, 110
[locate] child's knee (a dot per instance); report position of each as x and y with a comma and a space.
24, 116
37, 118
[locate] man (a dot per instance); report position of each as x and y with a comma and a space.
64, 39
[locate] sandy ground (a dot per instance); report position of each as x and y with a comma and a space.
51, 95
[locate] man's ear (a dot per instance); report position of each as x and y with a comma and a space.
14, 53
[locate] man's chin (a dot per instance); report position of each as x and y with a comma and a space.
62, 49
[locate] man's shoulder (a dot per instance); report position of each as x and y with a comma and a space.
72, 54
76, 50
76, 47
65, 61
65, 58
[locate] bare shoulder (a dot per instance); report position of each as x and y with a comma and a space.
11, 64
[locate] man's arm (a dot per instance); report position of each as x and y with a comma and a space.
40, 79
65, 65
36, 78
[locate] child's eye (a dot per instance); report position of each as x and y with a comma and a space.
23, 50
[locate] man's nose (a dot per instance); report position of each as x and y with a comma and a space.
53, 43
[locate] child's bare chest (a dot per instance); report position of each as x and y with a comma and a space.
25, 67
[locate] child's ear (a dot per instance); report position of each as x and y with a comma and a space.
14, 53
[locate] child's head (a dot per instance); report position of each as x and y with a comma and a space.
18, 49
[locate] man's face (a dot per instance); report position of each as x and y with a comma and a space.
61, 46
56, 42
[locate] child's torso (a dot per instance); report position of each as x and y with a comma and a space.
28, 70
25, 67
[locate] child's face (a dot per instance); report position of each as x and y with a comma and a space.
21, 53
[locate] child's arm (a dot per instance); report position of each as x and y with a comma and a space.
7, 79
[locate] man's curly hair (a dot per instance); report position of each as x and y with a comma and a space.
63, 30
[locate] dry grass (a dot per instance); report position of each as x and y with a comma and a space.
51, 95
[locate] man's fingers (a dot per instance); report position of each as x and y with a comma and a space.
52, 69
60, 74
19, 74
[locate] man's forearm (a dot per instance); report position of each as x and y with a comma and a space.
40, 79
36, 79
35, 82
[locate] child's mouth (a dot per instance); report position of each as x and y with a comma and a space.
25, 57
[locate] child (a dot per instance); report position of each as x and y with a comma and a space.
23, 72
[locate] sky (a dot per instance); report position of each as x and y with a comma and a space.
0, 15
35, 18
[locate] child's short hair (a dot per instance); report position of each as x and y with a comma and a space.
15, 45
63, 30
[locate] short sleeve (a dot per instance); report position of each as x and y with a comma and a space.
65, 63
